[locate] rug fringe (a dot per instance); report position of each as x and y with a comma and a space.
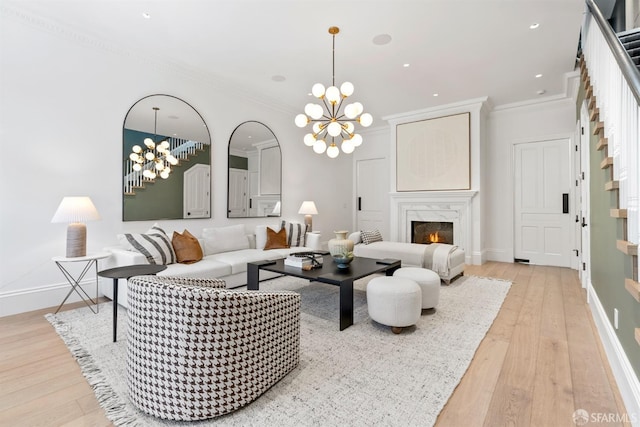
113, 406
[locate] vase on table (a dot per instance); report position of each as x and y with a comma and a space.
340, 245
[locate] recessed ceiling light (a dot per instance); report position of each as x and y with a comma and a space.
382, 39
534, 26
541, 92
174, 117
538, 76
145, 15
406, 65
436, 94
278, 78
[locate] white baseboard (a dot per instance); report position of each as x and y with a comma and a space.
625, 376
21, 301
498, 255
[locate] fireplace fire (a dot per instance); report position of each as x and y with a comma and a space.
427, 232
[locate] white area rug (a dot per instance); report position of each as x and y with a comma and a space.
362, 376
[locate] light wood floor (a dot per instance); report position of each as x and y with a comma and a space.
540, 361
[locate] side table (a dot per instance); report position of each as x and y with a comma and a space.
125, 273
90, 261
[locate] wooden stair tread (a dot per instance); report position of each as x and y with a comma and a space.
598, 128
595, 114
608, 161
612, 185
589, 92
602, 143
627, 248
618, 213
592, 101
638, 335
633, 287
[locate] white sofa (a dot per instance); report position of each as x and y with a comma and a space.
225, 257
413, 255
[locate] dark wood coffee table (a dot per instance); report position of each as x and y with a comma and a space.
126, 272
329, 273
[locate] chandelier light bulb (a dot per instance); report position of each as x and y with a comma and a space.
309, 140
348, 127
146, 173
133, 157
301, 120
346, 89
333, 151
347, 146
366, 119
356, 140
172, 160
350, 111
159, 166
318, 90
149, 143
333, 94
309, 109
317, 128
136, 149
164, 144
164, 174
137, 167
320, 146
358, 108
149, 155
334, 129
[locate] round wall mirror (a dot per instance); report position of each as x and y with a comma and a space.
255, 172
166, 161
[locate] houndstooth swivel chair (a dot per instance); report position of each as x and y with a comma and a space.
196, 350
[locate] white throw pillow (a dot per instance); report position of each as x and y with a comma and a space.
224, 239
155, 245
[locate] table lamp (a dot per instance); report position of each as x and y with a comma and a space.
307, 209
76, 211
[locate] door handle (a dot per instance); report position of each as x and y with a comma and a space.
359, 203
584, 224
565, 203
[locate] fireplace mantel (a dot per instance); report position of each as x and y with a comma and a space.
451, 206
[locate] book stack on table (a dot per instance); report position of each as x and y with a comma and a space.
304, 260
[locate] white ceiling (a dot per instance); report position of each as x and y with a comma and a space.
456, 48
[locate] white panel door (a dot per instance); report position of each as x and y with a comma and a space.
237, 193
371, 190
584, 217
197, 192
543, 233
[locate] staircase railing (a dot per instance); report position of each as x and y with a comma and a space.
616, 86
181, 149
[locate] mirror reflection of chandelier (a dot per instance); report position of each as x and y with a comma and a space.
330, 122
155, 158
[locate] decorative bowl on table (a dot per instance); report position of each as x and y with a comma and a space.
343, 260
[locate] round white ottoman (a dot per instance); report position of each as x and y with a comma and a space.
428, 280
394, 301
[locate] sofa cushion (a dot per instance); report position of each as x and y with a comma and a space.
276, 239
224, 239
187, 247
155, 245
206, 267
238, 259
369, 237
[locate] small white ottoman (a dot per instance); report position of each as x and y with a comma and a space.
394, 301
428, 280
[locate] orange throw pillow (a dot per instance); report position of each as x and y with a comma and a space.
276, 240
186, 247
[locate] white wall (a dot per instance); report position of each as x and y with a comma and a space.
62, 105
507, 126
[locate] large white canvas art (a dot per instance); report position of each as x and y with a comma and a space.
433, 154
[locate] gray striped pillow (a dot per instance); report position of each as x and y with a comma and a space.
155, 245
370, 236
296, 233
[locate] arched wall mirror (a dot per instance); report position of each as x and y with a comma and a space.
166, 149
255, 172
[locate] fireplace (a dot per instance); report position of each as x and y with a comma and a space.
427, 232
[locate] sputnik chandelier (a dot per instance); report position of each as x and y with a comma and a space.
157, 156
328, 119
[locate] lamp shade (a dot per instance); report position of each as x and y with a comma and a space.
76, 209
308, 208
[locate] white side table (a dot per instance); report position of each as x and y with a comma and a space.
89, 260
